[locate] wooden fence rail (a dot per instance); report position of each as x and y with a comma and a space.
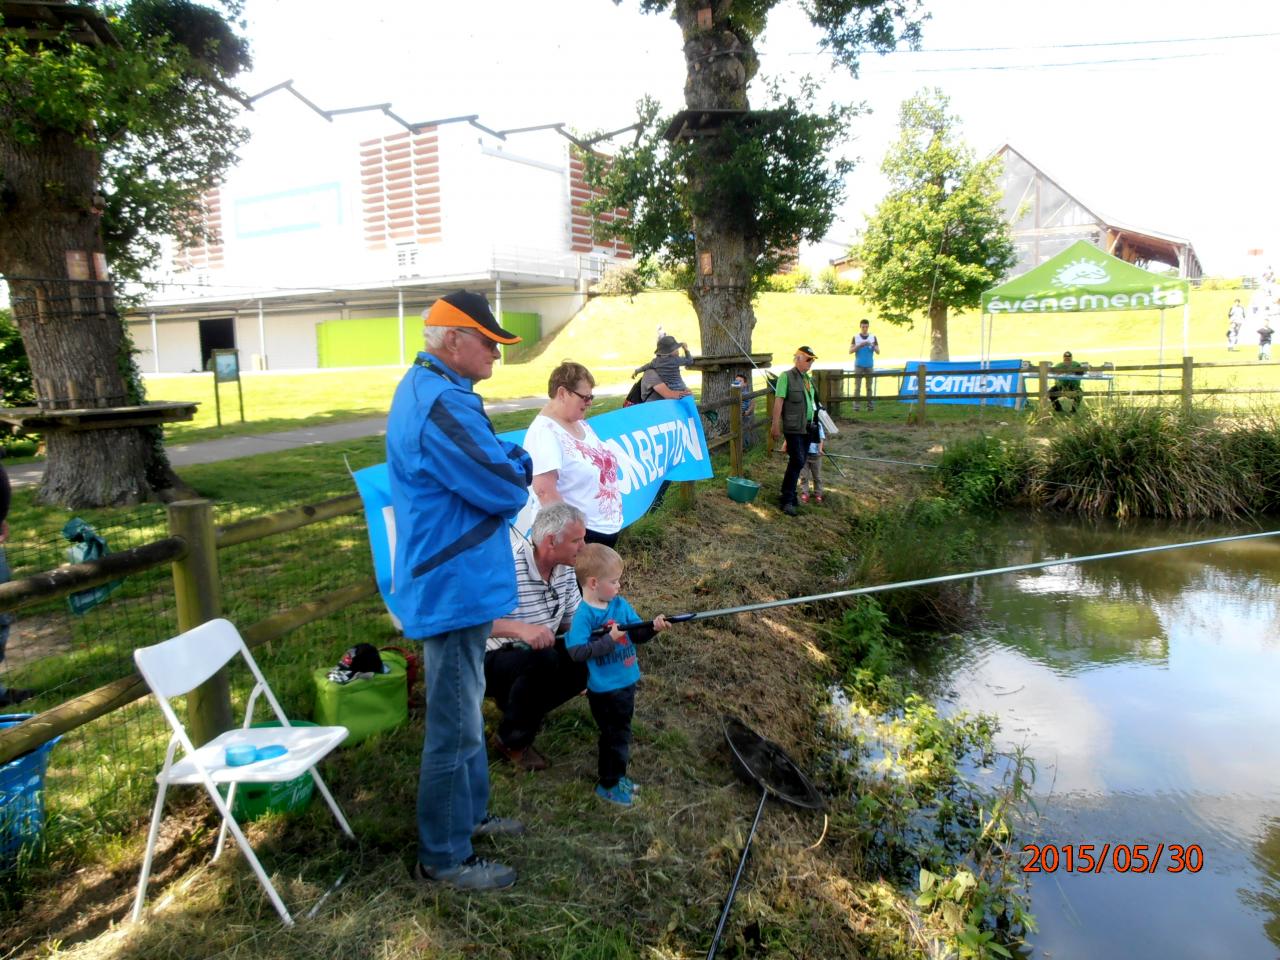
191, 548
833, 384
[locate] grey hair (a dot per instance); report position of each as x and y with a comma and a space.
433, 337
554, 520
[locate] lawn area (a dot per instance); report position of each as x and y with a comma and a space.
613, 335
669, 860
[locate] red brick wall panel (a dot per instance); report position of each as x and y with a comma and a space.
400, 176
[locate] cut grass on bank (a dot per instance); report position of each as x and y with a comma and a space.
669, 861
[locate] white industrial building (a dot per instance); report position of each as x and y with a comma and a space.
339, 226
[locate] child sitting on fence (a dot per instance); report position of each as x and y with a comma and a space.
666, 363
612, 667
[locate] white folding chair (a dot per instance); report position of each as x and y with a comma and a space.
176, 667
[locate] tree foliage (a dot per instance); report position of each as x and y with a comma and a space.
773, 181
15, 371
939, 237
157, 110
769, 177
108, 139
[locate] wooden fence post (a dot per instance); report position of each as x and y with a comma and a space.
199, 599
922, 389
1044, 388
735, 432
770, 399
1188, 364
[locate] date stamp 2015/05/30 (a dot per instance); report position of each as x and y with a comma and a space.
1113, 857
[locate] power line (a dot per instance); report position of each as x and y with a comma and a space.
1054, 46
1049, 66
1094, 43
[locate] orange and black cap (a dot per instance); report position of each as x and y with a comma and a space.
466, 309
807, 352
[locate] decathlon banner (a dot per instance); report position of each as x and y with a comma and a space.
942, 386
652, 442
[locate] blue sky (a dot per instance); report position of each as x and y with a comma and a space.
1134, 106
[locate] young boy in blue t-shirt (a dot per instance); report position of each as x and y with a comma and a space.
612, 667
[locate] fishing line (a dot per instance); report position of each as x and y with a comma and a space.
905, 463
948, 578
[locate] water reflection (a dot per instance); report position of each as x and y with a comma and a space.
1146, 690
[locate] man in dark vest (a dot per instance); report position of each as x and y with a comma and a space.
793, 411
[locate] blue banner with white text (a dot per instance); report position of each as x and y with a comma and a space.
653, 442
944, 384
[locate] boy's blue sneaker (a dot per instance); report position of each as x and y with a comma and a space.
632, 787
619, 793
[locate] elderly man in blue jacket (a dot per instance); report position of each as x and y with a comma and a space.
454, 488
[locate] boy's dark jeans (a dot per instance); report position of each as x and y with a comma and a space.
527, 685
612, 712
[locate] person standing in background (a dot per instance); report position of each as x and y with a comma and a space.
793, 410
1235, 320
864, 348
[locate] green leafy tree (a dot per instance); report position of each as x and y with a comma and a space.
15, 371
110, 130
723, 206
938, 238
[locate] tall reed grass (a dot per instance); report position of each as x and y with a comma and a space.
1124, 462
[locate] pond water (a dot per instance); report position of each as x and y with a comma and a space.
1147, 690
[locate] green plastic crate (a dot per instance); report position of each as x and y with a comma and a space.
291, 796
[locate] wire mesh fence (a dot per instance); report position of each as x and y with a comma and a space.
100, 775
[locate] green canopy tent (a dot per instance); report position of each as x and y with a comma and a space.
1083, 279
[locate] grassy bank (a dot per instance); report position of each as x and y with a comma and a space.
1123, 462
594, 882
911, 852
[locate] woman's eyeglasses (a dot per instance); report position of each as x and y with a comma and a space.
584, 397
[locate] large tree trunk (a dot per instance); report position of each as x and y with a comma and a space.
719, 66
938, 349
74, 336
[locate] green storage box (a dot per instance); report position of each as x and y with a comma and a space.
290, 796
367, 706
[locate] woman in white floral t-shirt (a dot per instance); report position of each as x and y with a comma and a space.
570, 463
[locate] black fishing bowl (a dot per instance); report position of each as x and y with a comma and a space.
762, 763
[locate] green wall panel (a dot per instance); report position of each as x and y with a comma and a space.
372, 342
527, 326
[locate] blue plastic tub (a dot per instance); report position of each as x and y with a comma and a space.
21, 796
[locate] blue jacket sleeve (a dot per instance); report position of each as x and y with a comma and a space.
465, 456
578, 643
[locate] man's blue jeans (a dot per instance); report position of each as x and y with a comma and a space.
453, 785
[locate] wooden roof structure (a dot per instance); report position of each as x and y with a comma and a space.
1046, 219
692, 124
50, 19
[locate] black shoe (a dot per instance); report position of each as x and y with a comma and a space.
789, 509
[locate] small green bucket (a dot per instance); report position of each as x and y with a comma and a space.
255, 799
743, 490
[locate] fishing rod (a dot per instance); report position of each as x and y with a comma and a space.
905, 463
945, 578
